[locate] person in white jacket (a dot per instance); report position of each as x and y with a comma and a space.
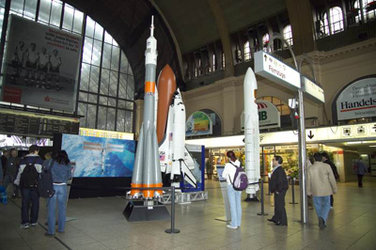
233, 195
321, 184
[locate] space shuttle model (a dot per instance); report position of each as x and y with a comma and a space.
251, 133
146, 171
176, 162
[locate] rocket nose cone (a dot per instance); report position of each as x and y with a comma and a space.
167, 75
250, 78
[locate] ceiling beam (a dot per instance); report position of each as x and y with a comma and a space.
224, 35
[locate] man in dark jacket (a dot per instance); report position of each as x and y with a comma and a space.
11, 171
279, 186
29, 193
4, 159
326, 159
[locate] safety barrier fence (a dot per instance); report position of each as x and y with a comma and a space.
292, 180
172, 228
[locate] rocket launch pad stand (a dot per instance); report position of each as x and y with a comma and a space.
138, 210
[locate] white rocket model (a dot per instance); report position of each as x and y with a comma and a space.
147, 172
251, 132
174, 158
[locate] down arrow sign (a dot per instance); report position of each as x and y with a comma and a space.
310, 135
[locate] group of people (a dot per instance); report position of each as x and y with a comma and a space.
321, 185
25, 173
34, 65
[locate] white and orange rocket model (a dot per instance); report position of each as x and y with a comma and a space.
176, 162
166, 114
146, 171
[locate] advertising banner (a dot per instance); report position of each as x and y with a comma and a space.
199, 123
41, 65
99, 157
269, 116
357, 100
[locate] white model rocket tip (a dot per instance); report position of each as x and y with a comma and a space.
152, 26
250, 76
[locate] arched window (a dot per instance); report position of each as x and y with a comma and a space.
287, 34
265, 41
214, 66
324, 26
106, 84
368, 9
336, 20
223, 60
247, 51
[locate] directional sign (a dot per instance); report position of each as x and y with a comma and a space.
313, 90
310, 135
276, 71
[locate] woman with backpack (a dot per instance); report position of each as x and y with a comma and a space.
61, 172
233, 195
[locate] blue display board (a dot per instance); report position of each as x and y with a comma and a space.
99, 157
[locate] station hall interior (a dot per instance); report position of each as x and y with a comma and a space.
76, 76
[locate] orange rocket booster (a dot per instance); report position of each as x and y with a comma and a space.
166, 89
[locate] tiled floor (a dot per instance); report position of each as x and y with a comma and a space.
100, 224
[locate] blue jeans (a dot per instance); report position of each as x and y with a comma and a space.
60, 197
235, 206
322, 206
29, 195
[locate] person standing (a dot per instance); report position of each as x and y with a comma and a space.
321, 184
326, 159
29, 193
61, 172
11, 171
4, 159
360, 169
233, 195
279, 186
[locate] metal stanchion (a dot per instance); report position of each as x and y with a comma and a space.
262, 199
172, 230
293, 191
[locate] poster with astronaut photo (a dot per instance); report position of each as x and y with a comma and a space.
41, 65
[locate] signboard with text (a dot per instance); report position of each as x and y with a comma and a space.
276, 71
41, 65
199, 123
15, 122
269, 115
313, 90
357, 100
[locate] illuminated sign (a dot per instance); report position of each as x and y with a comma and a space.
105, 134
276, 71
16, 122
269, 116
313, 90
364, 132
357, 100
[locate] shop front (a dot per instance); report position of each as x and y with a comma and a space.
289, 153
